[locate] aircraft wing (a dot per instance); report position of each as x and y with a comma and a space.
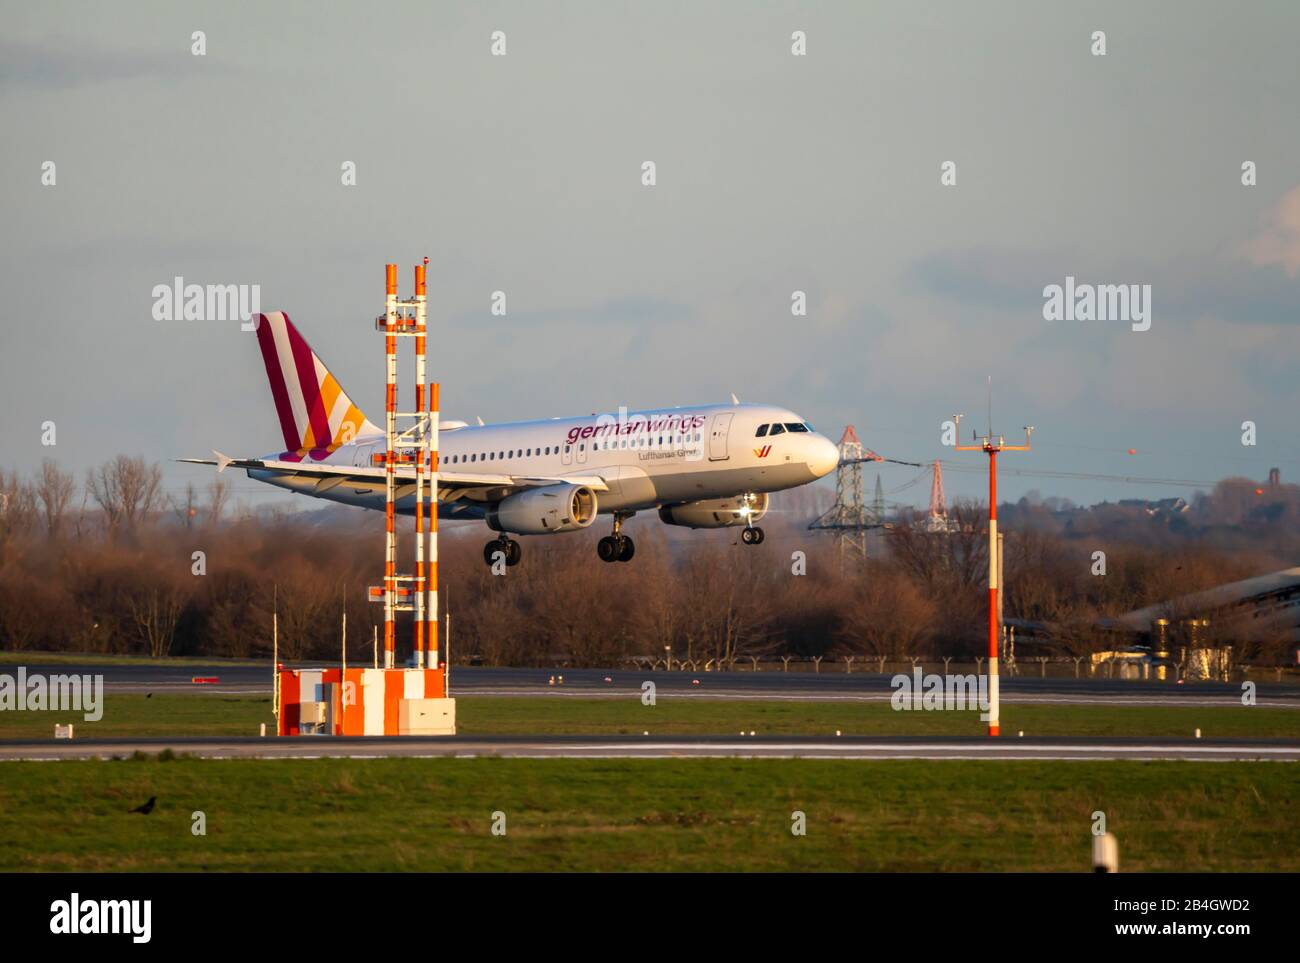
474, 486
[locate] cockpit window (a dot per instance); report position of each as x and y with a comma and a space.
795, 426
777, 429
808, 425
762, 430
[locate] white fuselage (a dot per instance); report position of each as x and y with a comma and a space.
646, 458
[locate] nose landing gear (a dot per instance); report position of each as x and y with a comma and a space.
752, 535
506, 545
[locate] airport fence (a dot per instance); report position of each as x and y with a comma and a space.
1041, 667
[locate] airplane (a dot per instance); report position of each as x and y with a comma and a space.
707, 466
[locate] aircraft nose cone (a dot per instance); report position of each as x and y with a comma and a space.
824, 457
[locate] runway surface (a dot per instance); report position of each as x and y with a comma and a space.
626, 683
660, 747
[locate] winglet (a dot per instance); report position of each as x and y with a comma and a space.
223, 461
480, 420
734, 399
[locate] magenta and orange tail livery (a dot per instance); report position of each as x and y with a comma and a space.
316, 414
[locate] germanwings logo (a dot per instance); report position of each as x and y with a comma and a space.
762, 452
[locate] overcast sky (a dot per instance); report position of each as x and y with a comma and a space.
776, 173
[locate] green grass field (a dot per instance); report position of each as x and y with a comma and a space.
217, 715
437, 814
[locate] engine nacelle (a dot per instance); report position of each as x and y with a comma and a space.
716, 513
543, 511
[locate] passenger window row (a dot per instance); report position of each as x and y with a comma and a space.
643, 442
549, 449
503, 455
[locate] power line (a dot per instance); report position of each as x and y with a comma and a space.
1086, 476
1037, 473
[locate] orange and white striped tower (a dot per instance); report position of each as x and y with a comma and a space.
992, 447
390, 701
411, 438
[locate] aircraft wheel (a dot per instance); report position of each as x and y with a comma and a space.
627, 550
498, 545
514, 552
751, 536
608, 549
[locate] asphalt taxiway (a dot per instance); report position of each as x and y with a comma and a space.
661, 747
837, 686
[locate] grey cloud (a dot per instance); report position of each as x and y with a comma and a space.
633, 311
1224, 287
67, 64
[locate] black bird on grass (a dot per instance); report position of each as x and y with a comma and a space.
146, 808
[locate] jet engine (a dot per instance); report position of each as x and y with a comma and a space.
716, 513
543, 511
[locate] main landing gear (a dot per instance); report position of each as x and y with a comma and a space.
503, 544
617, 547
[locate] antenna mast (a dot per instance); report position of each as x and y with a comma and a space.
991, 446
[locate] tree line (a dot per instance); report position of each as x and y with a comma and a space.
116, 565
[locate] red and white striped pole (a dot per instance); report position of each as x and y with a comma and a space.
431, 581
994, 624
420, 457
992, 447
390, 467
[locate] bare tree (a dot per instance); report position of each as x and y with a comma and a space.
659, 614
944, 562
888, 615
218, 495
725, 614
17, 506
186, 508
78, 518
53, 489
237, 614
305, 600
127, 490
156, 608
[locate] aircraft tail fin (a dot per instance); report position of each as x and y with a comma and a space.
315, 412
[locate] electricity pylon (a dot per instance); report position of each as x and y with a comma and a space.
848, 517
